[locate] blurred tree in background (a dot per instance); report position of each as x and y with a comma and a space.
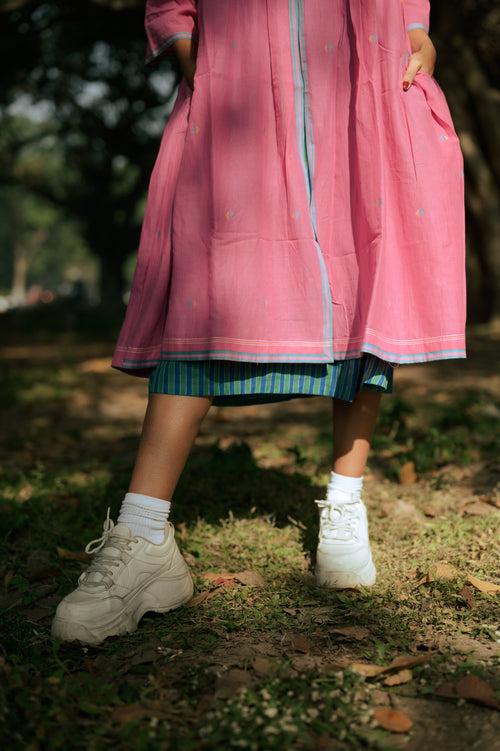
81, 118
91, 119
467, 36
32, 234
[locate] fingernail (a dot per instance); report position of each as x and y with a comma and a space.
406, 85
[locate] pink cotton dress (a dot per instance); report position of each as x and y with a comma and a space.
303, 208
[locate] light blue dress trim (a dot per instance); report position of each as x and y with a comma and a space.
168, 42
303, 122
393, 358
417, 26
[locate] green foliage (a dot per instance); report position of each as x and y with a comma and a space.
40, 232
76, 71
245, 502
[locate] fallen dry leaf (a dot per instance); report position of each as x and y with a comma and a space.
320, 615
219, 578
231, 682
409, 661
394, 720
444, 571
403, 676
407, 473
468, 595
472, 688
438, 571
487, 587
381, 697
403, 511
261, 665
367, 669
355, 632
475, 689
370, 670
266, 648
446, 689
478, 508
25, 493
225, 578
300, 643
250, 578
72, 555
131, 712
306, 663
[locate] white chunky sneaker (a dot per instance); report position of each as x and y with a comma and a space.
344, 557
128, 577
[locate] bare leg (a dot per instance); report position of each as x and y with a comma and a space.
159, 581
353, 426
170, 427
343, 557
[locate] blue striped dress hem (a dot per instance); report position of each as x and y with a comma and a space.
233, 383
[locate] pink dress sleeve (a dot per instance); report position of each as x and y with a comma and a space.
166, 21
417, 14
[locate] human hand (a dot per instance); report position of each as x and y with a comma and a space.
188, 70
423, 57
186, 54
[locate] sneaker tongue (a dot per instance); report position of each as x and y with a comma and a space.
335, 525
120, 530
338, 498
122, 533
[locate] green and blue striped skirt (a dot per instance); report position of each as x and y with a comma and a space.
232, 383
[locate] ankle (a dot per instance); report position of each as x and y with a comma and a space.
145, 516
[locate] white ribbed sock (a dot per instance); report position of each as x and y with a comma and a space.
145, 516
342, 487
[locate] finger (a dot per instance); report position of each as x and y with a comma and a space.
411, 71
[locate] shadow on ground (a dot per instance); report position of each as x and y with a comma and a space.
262, 666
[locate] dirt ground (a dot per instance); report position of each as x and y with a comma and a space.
261, 658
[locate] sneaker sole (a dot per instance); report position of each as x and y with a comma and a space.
363, 577
150, 599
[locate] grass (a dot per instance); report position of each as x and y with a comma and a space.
252, 667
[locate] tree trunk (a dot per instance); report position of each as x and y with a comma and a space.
475, 105
19, 273
111, 279
468, 86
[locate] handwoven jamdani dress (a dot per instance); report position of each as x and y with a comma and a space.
304, 211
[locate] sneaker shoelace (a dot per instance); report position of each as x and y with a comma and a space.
339, 521
104, 548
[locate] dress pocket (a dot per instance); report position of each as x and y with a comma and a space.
436, 101
435, 152
179, 116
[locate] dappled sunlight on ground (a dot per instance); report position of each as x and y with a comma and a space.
262, 658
